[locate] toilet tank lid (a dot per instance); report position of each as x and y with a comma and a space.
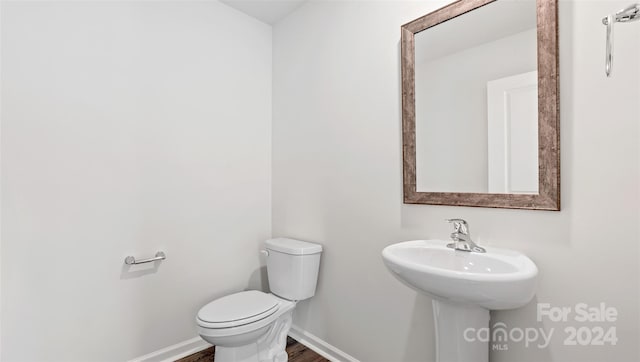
293, 247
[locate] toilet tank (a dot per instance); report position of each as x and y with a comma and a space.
292, 267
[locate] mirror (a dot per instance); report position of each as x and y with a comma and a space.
480, 105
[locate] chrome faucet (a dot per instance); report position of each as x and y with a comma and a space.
462, 238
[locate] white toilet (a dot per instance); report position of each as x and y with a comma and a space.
252, 326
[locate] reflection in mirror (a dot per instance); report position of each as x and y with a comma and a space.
476, 102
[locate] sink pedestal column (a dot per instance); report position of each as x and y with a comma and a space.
458, 327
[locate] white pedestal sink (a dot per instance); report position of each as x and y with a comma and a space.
465, 286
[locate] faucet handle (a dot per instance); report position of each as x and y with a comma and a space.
459, 225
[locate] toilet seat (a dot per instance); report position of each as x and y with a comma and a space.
237, 310
244, 334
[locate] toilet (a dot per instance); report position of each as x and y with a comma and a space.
252, 326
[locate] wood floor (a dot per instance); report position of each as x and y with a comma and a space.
297, 353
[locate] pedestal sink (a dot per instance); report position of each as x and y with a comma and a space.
464, 286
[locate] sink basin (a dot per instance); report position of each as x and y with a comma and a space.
497, 279
464, 286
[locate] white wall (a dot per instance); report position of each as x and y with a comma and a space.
127, 128
449, 134
337, 180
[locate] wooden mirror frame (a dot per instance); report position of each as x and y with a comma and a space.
548, 197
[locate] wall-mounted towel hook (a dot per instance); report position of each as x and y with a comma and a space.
628, 14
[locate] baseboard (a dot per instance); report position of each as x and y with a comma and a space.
175, 352
319, 346
195, 345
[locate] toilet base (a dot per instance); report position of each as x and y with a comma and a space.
269, 348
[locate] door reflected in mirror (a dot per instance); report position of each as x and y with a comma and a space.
476, 102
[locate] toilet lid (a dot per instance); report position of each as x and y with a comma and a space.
238, 309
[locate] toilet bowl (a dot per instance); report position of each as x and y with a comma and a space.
247, 326
252, 326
